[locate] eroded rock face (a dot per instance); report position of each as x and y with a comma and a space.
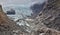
49, 17
6, 25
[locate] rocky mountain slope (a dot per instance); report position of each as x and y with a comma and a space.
46, 23
6, 25
49, 18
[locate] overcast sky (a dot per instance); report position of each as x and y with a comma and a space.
19, 2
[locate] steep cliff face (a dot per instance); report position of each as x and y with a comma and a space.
50, 15
6, 25
48, 20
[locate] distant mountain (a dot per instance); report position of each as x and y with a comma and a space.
36, 8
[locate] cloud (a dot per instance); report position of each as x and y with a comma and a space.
18, 2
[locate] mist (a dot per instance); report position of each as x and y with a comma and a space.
19, 2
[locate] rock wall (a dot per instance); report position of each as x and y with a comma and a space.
49, 18
6, 25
